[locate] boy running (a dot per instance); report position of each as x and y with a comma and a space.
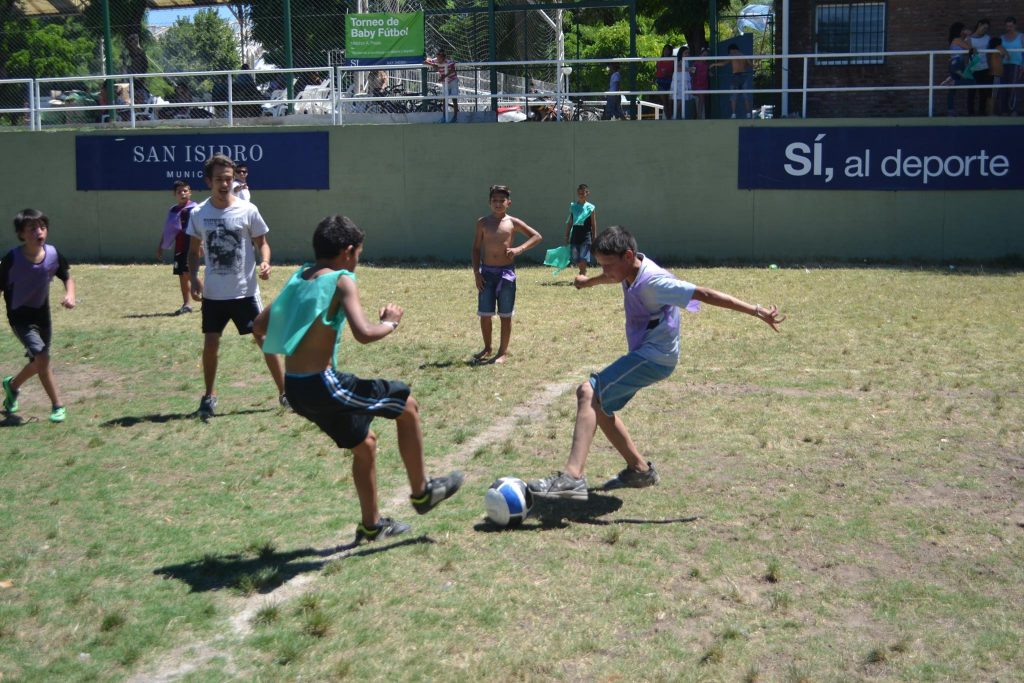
174, 236
228, 231
652, 297
304, 323
496, 277
25, 276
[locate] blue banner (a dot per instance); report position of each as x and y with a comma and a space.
277, 161
881, 158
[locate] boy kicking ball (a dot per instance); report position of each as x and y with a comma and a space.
652, 298
304, 324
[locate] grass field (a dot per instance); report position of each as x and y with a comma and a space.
840, 501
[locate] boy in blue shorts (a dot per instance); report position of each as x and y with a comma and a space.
304, 323
581, 228
496, 276
25, 276
652, 297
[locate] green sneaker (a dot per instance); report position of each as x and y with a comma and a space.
58, 414
10, 396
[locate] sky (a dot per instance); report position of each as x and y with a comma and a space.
166, 17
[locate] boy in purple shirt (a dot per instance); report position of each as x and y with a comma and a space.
652, 297
25, 276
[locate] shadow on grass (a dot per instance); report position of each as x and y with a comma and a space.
557, 283
15, 420
174, 314
557, 514
160, 418
267, 571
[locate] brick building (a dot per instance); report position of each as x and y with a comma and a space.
820, 26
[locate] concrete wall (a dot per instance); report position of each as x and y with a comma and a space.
418, 189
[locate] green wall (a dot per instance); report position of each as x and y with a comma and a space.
418, 189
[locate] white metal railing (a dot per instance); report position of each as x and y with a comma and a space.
332, 93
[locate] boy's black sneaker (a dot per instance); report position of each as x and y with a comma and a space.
207, 406
629, 478
385, 527
438, 489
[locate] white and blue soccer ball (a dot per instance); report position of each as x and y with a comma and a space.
508, 502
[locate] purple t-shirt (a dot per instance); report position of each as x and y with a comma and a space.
27, 284
652, 304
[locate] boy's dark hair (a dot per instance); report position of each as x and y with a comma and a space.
583, 186
240, 165
29, 217
614, 241
178, 184
733, 46
216, 160
995, 42
1009, 19
334, 235
499, 189
983, 20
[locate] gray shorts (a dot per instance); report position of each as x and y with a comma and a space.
34, 336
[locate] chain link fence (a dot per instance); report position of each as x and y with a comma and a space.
251, 35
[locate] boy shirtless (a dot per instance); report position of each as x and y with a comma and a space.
304, 324
496, 276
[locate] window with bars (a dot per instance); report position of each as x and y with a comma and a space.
849, 27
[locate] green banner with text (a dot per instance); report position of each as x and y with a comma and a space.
379, 38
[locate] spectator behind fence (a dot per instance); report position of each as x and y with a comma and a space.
700, 82
979, 42
613, 102
682, 99
997, 53
1006, 100
961, 48
663, 71
448, 78
742, 80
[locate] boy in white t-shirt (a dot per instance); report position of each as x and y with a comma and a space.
228, 231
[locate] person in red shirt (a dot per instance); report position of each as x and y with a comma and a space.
663, 76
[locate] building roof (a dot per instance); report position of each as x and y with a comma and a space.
37, 8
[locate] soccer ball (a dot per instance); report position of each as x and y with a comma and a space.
508, 502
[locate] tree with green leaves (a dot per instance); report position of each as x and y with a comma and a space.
318, 27
127, 25
202, 43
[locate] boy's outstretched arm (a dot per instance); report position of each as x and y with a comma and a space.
363, 331
770, 316
533, 238
583, 281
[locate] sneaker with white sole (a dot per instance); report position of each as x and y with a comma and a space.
384, 528
438, 489
58, 414
560, 485
10, 395
630, 478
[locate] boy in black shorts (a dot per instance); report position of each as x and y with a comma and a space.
25, 276
174, 236
231, 237
304, 324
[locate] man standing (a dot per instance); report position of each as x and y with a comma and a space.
229, 231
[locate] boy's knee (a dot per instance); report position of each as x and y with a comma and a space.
585, 392
368, 447
412, 409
